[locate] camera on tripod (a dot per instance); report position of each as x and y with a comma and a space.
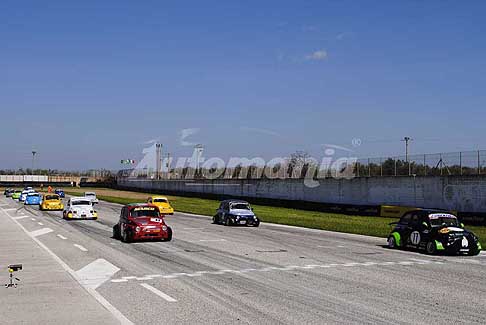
11, 269
15, 267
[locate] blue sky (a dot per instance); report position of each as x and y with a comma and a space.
88, 82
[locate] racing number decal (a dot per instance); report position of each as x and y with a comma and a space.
415, 238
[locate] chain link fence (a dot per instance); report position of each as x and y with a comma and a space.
439, 164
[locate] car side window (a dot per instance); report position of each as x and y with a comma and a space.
415, 220
406, 219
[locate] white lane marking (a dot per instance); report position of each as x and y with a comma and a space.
80, 247
61, 236
273, 268
158, 292
20, 217
40, 232
105, 303
211, 240
11, 209
96, 273
40, 223
33, 219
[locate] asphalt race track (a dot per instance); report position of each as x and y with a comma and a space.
212, 274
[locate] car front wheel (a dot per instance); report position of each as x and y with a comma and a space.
169, 234
391, 242
116, 232
227, 222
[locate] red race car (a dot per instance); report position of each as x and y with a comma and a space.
141, 221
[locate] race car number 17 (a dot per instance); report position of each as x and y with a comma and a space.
415, 237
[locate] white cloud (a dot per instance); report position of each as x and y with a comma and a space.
344, 35
317, 55
257, 130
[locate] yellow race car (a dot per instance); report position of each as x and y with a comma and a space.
51, 202
162, 203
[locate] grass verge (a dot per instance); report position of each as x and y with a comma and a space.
362, 225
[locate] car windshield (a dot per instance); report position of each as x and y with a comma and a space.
437, 220
144, 212
52, 197
89, 194
240, 206
33, 195
160, 200
82, 202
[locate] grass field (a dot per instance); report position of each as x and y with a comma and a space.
363, 225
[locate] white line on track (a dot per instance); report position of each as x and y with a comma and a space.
273, 268
11, 209
61, 236
80, 247
33, 219
20, 217
105, 303
40, 223
40, 232
158, 292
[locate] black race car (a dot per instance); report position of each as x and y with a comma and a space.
433, 231
8, 192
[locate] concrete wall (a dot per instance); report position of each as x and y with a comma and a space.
461, 193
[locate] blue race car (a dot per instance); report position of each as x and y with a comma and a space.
235, 212
60, 192
33, 199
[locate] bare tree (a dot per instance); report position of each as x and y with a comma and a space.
298, 163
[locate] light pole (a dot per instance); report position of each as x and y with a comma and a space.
33, 160
407, 140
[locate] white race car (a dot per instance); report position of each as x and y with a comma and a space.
24, 194
91, 196
79, 208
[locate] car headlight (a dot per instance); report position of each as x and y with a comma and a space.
137, 228
164, 228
